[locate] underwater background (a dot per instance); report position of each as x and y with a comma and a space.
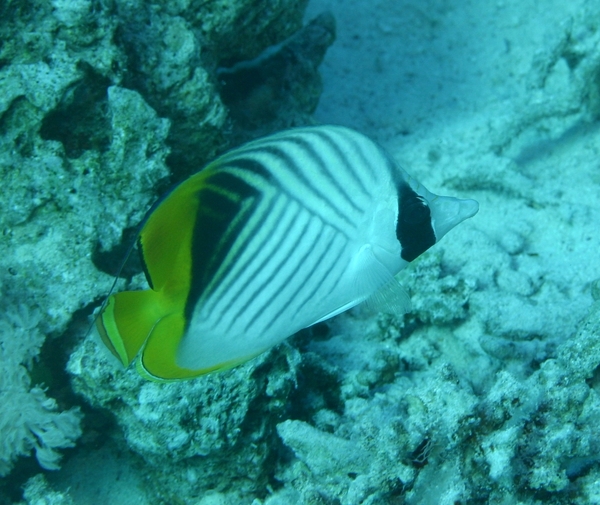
486, 392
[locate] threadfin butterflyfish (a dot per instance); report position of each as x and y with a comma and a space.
270, 238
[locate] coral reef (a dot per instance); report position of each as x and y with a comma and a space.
29, 420
38, 492
221, 425
102, 106
281, 87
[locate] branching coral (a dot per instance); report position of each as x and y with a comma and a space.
28, 418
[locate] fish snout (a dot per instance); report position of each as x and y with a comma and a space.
447, 212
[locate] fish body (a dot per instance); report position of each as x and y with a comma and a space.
270, 238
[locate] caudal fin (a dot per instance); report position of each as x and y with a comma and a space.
127, 321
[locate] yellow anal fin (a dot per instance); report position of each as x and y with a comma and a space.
158, 360
127, 321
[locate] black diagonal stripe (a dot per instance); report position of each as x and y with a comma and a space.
301, 285
273, 274
254, 166
309, 275
310, 150
258, 269
293, 272
228, 281
293, 167
350, 137
251, 165
212, 235
351, 164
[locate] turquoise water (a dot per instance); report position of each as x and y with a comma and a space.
485, 392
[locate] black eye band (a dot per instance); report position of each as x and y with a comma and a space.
415, 212
414, 229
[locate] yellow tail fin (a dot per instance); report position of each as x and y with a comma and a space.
127, 321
